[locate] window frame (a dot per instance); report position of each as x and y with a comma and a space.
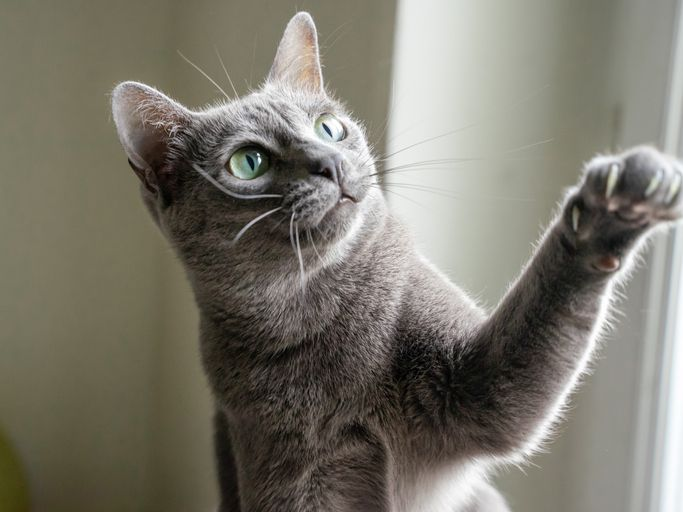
657, 476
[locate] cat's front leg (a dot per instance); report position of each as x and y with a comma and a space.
494, 389
540, 337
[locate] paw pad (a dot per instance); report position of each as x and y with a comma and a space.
607, 263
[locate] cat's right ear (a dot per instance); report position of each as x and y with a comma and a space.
297, 61
146, 121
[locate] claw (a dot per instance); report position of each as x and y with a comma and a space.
612, 178
673, 188
576, 213
654, 183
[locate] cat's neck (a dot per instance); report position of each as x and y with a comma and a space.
277, 300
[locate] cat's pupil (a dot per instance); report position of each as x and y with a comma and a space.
251, 162
327, 129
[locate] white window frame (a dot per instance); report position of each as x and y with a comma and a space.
657, 482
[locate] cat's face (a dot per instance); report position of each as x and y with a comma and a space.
287, 155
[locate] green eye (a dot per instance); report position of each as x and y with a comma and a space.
248, 163
329, 128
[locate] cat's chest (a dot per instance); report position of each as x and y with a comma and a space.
325, 375
315, 390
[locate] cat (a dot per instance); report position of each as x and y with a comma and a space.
348, 374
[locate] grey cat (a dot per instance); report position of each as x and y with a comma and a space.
348, 373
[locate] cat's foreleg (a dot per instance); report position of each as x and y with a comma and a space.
540, 337
496, 392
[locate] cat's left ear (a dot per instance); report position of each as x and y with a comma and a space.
146, 121
297, 62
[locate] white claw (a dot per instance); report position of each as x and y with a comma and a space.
654, 183
576, 213
673, 188
612, 178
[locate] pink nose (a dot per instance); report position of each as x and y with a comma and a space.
329, 166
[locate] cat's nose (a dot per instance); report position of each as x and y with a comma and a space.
329, 166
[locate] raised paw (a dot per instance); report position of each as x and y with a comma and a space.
619, 199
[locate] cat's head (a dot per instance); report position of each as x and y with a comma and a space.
287, 148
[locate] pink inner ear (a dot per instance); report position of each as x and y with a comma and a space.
146, 119
297, 61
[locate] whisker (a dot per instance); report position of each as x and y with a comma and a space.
322, 235
291, 231
230, 193
205, 75
331, 34
424, 188
422, 167
302, 273
528, 146
278, 223
393, 192
253, 59
469, 159
425, 141
252, 222
226, 72
423, 163
315, 249
455, 195
390, 111
471, 125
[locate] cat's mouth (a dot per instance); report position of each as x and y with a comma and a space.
346, 198
341, 208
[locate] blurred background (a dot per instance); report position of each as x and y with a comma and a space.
102, 400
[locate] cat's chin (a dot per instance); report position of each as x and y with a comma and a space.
336, 222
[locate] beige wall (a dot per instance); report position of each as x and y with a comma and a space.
100, 385
79, 322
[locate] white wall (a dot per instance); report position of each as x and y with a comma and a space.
604, 65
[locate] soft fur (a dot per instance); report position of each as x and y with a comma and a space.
348, 373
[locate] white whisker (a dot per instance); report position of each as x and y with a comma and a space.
291, 234
226, 72
230, 193
393, 192
205, 75
252, 222
315, 249
469, 126
528, 146
451, 194
298, 253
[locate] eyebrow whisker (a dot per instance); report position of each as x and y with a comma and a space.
205, 75
226, 72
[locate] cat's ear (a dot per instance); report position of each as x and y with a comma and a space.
297, 61
146, 121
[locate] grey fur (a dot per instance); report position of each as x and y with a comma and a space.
368, 382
